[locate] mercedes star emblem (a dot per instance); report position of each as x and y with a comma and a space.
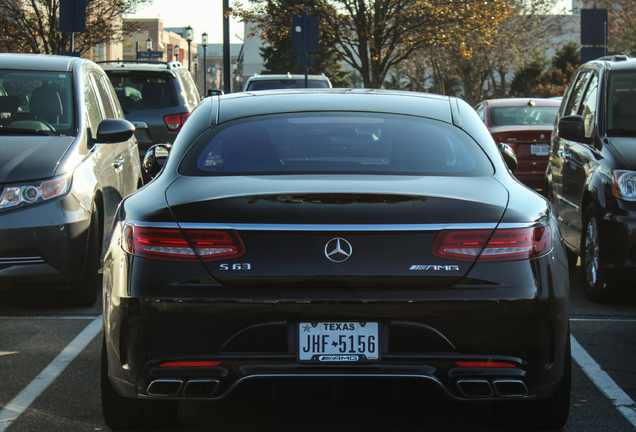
338, 250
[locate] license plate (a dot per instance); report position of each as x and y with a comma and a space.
338, 341
540, 149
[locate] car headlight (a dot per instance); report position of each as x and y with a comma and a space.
20, 195
625, 184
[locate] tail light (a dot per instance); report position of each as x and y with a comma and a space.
181, 245
484, 364
191, 364
503, 245
174, 122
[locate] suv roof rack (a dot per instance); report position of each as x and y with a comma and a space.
123, 63
616, 57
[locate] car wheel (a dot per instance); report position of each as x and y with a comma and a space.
597, 281
540, 414
83, 292
121, 413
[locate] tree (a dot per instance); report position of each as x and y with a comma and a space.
274, 25
32, 26
534, 79
375, 36
528, 75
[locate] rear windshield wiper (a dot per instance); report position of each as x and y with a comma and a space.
17, 131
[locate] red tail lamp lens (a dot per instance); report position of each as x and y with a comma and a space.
484, 364
191, 364
176, 245
502, 245
175, 122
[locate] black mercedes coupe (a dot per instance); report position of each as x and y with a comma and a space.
295, 237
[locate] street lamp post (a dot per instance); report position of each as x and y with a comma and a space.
196, 68
204, 42
176, 52
189, 36
149, 47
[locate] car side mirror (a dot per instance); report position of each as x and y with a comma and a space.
572, 128
112, 131
509, 156
155, 159
215, 92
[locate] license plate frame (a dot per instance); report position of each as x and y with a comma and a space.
540, 149
339, 342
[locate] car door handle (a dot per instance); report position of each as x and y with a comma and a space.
119, 163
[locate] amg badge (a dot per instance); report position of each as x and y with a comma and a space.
431, 267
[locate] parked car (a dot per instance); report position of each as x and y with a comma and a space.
526, 125
288, 81
156, 97
592, 172
67, 158
330, 237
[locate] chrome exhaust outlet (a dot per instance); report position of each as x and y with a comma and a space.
200, 388
475, 388
164, 387
510, 388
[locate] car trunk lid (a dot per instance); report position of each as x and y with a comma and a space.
337, 228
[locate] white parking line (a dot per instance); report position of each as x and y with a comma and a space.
21, 402
602, 380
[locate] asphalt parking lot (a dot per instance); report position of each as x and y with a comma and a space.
49, 375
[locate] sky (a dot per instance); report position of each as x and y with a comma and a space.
201, 15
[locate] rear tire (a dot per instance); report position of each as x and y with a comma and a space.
122, 413
597, 281
83, 293
540, 414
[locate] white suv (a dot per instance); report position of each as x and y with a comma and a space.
287, 81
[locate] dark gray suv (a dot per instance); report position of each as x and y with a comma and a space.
591, 175
156, 97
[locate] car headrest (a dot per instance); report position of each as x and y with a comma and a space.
45, 102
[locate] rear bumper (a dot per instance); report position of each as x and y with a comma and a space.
256, 341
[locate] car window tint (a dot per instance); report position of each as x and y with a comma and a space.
37, 100
144, 91
286, 84
338, 143
91, 103
621, 104
104, 96
523, 115
192, 94
589, 105
576, 94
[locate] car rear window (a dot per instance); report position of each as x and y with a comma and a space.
336, 143
523, 115
143, 91
286, 84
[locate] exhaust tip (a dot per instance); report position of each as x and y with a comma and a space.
164, 387
200, 388
475, 388
510, 388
